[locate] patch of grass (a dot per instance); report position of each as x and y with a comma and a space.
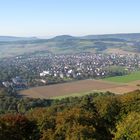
126, 78
75, 95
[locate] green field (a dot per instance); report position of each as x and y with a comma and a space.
75, 95
126, 78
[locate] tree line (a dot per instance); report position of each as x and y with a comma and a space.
98, 116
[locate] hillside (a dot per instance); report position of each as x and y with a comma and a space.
13, 46
98, 116
128, 37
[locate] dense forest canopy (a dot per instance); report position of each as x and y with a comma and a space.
98, 116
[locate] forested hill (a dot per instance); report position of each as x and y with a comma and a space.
127, 36
64, 44
98, 116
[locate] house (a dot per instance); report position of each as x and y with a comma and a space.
6, 84
19, 83
44, 73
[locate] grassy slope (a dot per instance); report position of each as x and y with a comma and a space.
126, 78
75, 94
67, 46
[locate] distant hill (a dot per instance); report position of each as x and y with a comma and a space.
129, 36
65, 44
64, 38
13, 38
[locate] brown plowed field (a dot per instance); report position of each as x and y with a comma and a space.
76, 87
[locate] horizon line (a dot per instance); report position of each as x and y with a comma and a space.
55, 35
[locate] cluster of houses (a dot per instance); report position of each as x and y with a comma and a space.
17, 83
74, 66
88, 65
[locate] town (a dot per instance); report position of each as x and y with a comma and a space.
38, 70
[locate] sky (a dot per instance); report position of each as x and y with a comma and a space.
45, 18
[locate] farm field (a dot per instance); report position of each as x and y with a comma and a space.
119, 51
77, 88
125, 79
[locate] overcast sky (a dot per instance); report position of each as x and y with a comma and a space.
73, 17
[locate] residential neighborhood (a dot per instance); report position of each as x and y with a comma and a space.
31, 70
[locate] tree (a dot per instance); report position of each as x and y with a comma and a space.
17, 127
76, 124
128, 128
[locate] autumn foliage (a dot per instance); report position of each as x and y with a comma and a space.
92, 117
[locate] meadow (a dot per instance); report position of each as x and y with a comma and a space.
78, 88
68, 89
125, 79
